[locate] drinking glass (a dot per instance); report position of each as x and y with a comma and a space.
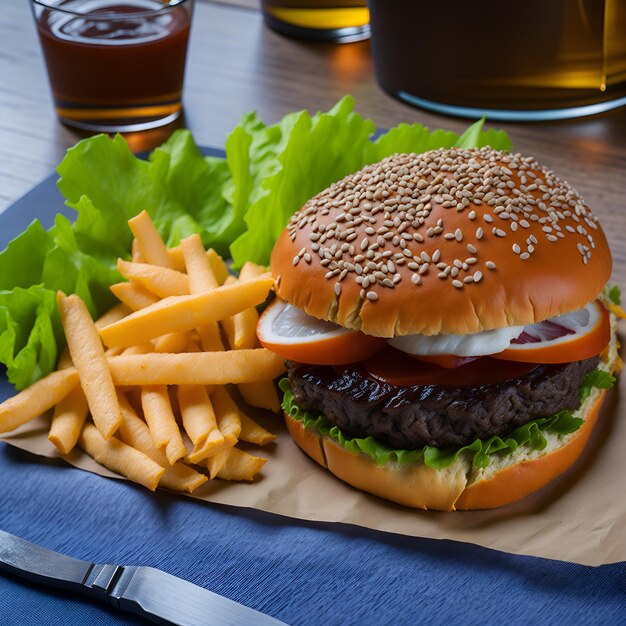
342, 21
115, 65
533, 60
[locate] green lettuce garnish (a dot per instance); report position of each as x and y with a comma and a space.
530, 434
300, 156
615, 295
238, 204
597, 379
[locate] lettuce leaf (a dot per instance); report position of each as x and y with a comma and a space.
303, 154
238, 203
615, 295
530, 434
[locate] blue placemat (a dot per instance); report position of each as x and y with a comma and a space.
300, 572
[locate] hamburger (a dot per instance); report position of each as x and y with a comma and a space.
447, 328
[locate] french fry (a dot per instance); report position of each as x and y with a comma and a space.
251, 270
261, 394
216, 462
157, 410
251, 432
136, 253
214, 444
149, 241
219, 267
176, 258
203, 368
241, 329
199, 268
197, 414
121, 458
199, 422
162, 281
193, 344
68, 420
229, 423
181, 313
90, 361
115, 314
241, 466
134, 295
37, 399
227, 414
141, 348
201, 278
134, 432
65, 360
172, 343
210, 337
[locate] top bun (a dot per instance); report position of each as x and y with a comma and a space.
450, 241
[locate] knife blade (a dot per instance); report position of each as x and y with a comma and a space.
146, 591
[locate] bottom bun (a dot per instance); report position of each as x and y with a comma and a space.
456, 487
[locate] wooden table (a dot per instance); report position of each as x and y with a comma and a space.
236, 64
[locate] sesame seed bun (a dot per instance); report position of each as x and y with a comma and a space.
457, 487
450, 241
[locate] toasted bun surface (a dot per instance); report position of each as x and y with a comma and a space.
452, 488
450, 241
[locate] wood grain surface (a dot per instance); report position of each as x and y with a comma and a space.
236, 64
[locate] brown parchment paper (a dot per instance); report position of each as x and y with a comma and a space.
581, 517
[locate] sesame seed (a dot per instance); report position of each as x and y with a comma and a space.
416, 279
457, 283
491, 265
382, 207
337, 289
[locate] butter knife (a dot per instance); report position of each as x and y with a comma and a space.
146, 591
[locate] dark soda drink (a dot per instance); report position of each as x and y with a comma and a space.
538, 59
115, 64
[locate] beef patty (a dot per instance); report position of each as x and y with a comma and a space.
434, 415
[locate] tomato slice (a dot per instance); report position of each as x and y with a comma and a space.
294, 335
573, 337
398, 368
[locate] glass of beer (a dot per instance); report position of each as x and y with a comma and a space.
341, 21
115, 65
536, 60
